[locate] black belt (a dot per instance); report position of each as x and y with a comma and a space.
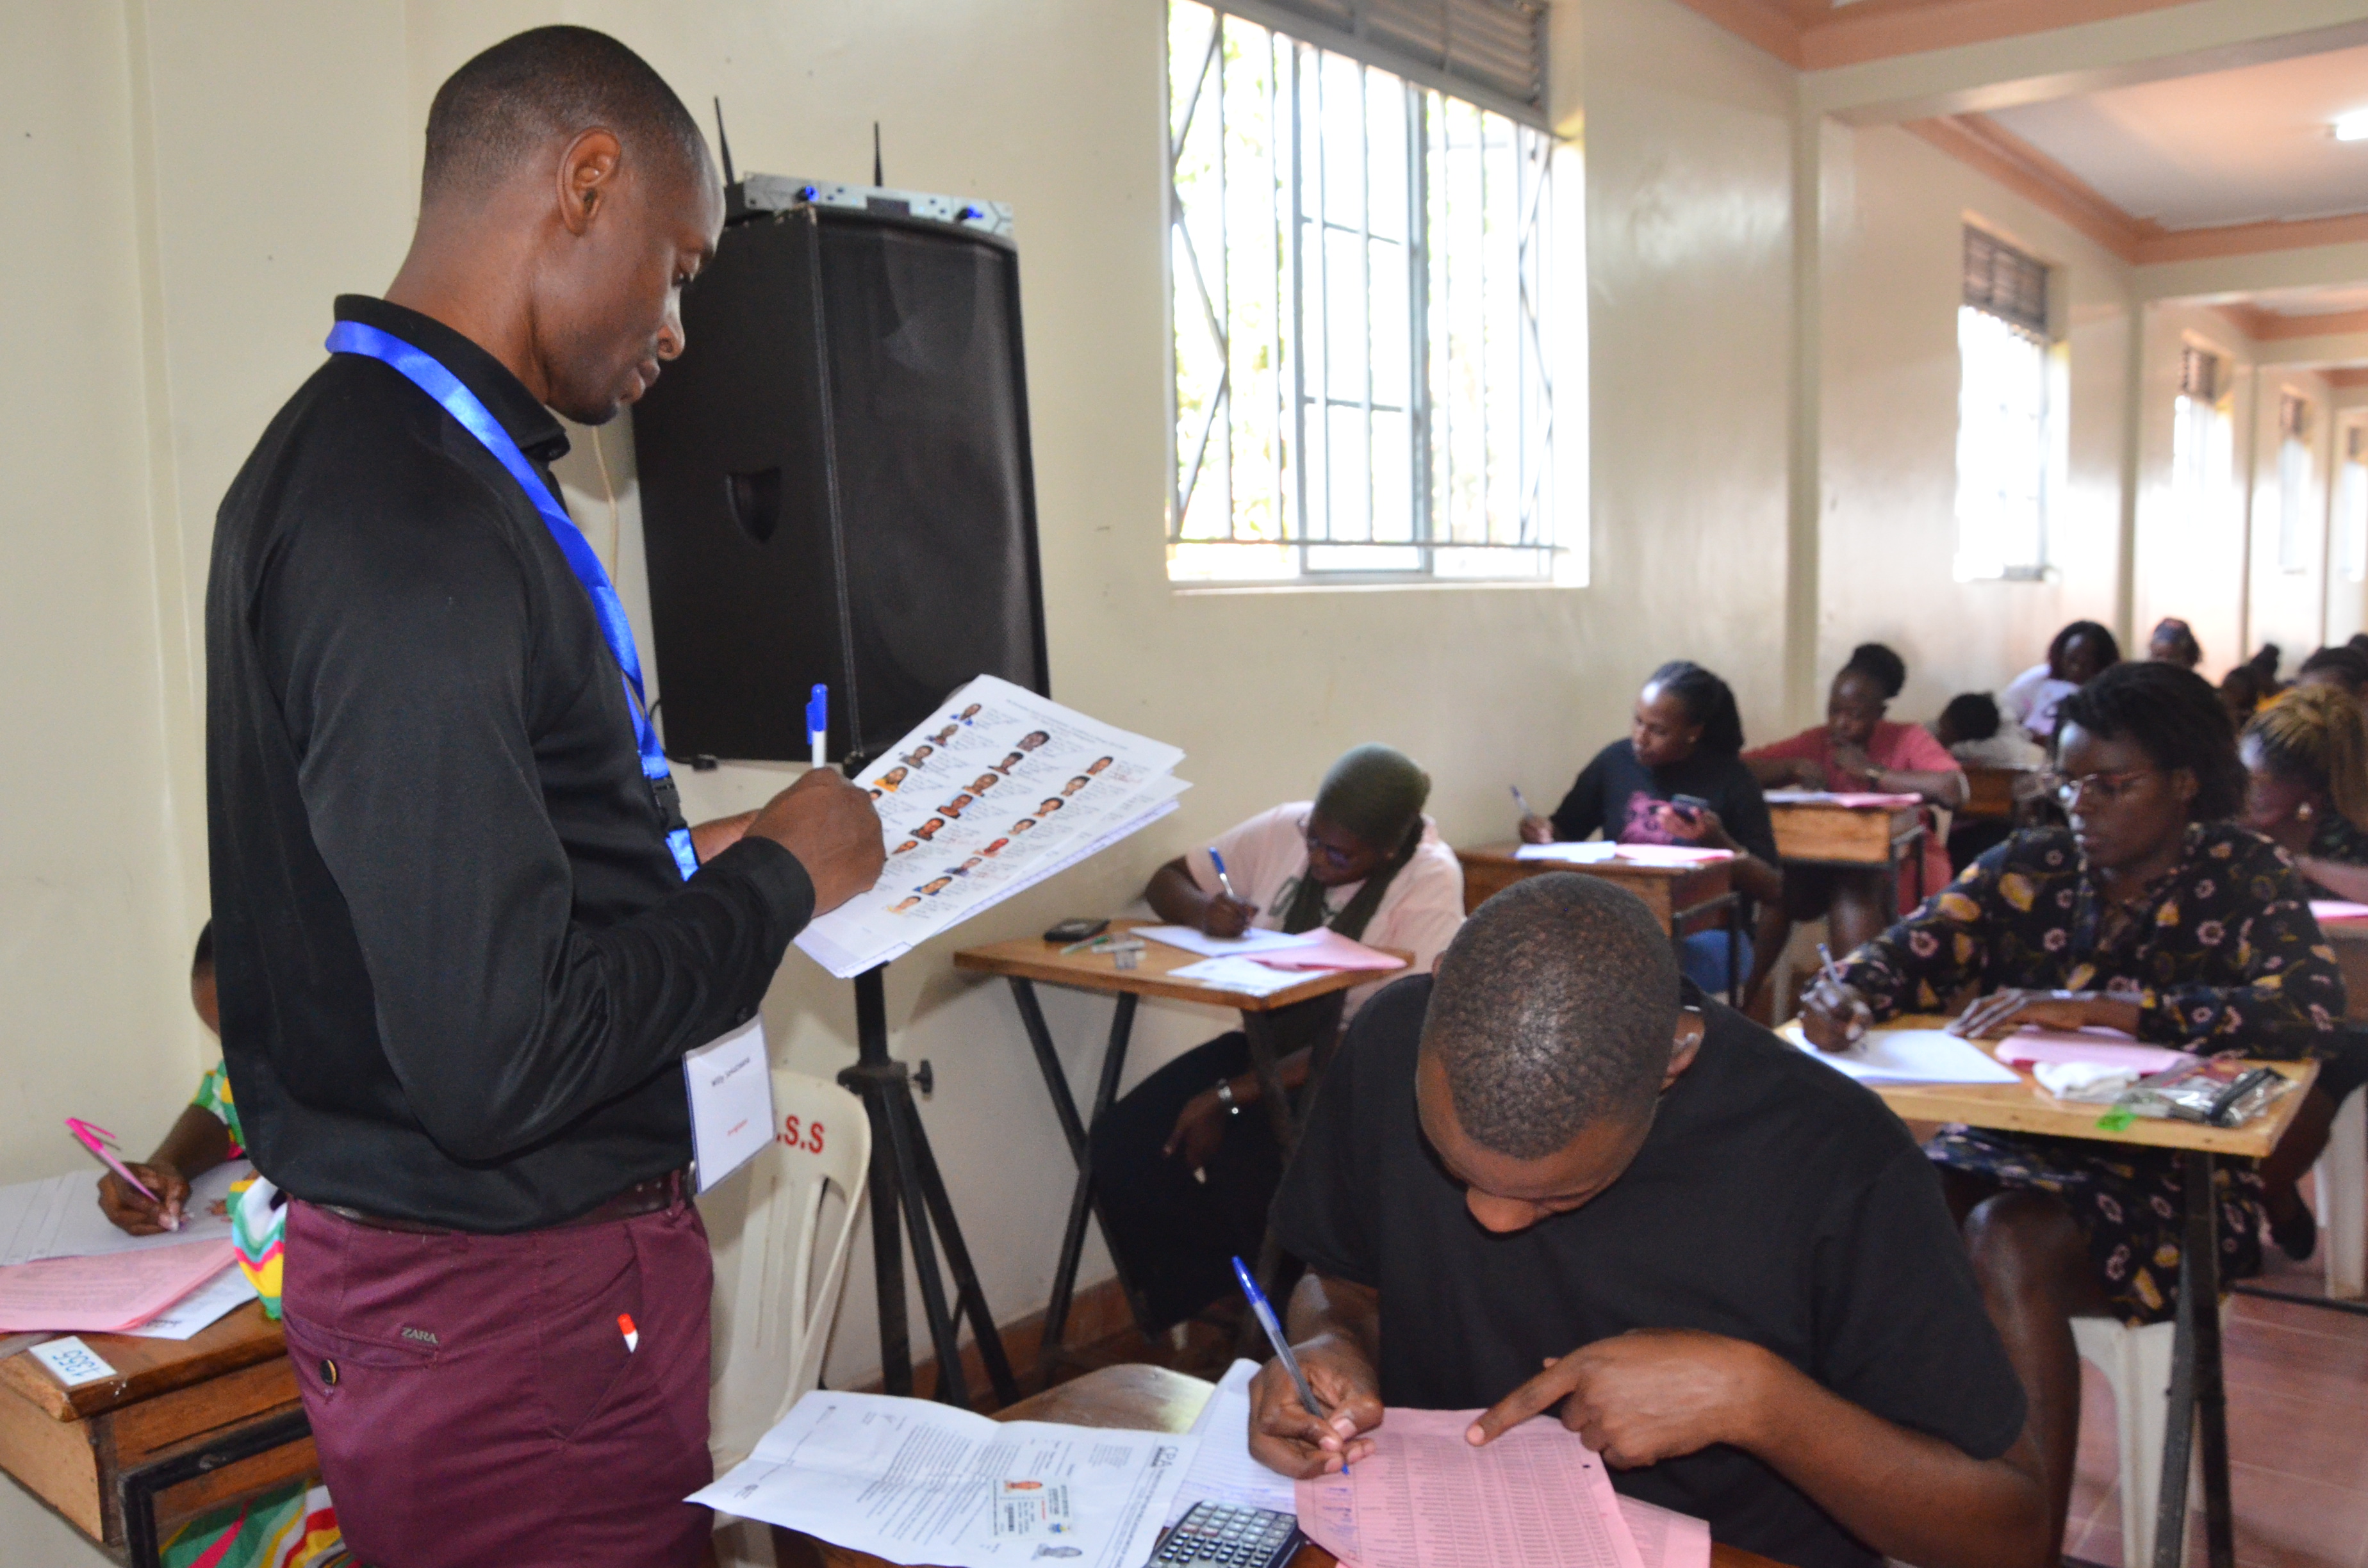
649, 1197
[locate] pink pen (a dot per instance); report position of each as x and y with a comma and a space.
95, 1138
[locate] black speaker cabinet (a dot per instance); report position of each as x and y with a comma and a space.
836, 483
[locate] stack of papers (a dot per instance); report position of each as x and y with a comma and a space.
114, 1292
2033, 1047
997, 790
1596, 851
1851, 800
64, 1266
915, 1481
59, 1217
1223, 1470
1331, 951
1909, 1056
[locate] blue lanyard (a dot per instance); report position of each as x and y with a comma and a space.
429, 376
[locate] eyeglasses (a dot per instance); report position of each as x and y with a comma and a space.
1330, 853
2103, 789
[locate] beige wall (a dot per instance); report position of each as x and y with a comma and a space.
1896, 209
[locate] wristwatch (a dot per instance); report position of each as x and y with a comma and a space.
1225, 1096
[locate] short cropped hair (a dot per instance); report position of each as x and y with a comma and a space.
1554, 1008
1972, 716
2175, 718
496, 111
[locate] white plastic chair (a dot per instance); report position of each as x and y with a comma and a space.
778, 1268
2340, 1178
2136, 1363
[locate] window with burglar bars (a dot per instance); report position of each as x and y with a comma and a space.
1362, 374
2294, 482
2006, 421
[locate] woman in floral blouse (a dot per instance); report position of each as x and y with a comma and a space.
2151, 913
2307, 765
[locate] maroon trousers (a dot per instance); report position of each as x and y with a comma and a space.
475, 1401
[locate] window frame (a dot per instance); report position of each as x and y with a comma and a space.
1308, 399
2048, 451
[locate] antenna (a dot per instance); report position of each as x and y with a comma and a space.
724, 142
877, 179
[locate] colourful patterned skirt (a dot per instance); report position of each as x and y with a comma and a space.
2129, 1201
292, 1527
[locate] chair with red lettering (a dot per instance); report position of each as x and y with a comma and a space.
780, 1231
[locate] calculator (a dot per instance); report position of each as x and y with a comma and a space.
1228, 1537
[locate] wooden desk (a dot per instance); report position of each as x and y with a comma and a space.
1675, 894
2198, 1396
1142, 1399
1027, 960
1819, 832
1990, 792
219, 1409
2350, 940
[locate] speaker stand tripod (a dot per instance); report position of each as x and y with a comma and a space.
907, 1191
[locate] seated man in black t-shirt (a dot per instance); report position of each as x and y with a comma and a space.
1555, 1179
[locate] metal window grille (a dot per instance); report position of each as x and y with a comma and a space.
2004, 282
1358, 311
2293, 416
2199, 374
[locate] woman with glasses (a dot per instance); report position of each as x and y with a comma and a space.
1183, 1173
1679, 778
2151, 913
2306, 761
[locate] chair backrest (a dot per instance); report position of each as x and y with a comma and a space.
778, 1273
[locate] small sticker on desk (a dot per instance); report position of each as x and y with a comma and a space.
72, 1362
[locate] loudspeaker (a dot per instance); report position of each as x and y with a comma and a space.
835, 483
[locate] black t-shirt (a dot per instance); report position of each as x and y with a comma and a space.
1774, 1202
1616, 793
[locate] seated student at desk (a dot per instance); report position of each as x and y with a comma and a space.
2076, 656
1184, 1175
1858, 749
1684, 738
2307, 763
2151, 913
1972, 730
1548, 1181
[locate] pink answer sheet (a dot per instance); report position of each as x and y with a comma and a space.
2337, 911
120, 1289
1664, 1538
1537, 1497
2027, 1046
1328, 951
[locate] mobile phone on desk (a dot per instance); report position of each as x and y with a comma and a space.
1076, 930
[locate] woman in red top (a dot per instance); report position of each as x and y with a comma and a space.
1858, 749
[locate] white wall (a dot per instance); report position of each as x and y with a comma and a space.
1897, 210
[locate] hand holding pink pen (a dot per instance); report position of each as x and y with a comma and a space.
98, 1140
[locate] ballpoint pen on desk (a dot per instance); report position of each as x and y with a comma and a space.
1274, 1336
95, 1138
818, 723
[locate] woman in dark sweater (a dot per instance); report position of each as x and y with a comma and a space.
1685, 738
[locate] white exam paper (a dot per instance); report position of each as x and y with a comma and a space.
916, 1482
201, 1308
1914, 1056
1243, 976
59, 1217
1254, 940
730, 1087
1223, 1470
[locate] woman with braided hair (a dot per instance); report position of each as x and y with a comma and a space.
2307, 765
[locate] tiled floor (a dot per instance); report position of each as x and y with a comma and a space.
2298, 1381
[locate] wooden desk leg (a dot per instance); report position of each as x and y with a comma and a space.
1072, 1236
2198, 1394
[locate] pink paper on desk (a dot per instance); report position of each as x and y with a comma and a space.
1328, 951
2337, 911
1537, 1497
2028, 1047
1664, 1538
120, 1289
1670, 855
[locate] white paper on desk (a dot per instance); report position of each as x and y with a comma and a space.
1536, 1497
1223, 1471
730, 1085
1243, 976
1915, 1056
1254, 940
201, 1308
1587, 852
916, 1482
59, 1217
997, 790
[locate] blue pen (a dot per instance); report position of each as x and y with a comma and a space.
818, 723
1225, 883
1282, 1346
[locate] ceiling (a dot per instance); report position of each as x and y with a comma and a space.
2304, 303
2241, 146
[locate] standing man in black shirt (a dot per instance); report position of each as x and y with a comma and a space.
464, 937
1555, 1179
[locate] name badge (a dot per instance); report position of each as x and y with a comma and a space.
731, 1086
